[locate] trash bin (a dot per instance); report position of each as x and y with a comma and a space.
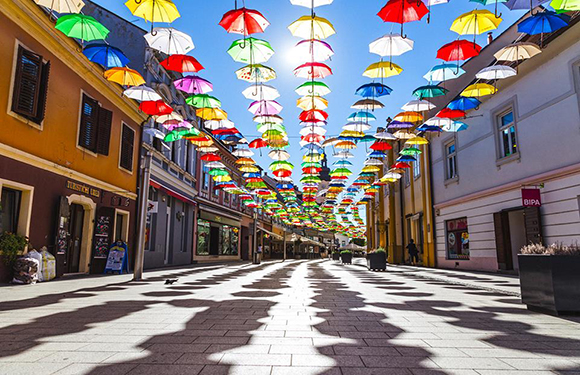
257, 258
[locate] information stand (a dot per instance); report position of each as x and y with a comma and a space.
118, 258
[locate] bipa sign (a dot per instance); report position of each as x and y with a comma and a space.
531, 198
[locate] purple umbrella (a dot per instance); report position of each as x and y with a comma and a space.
523, 4
265, 107
193, 85
400, 125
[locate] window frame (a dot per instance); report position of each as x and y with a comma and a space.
447, 155
467, 257
497, 114
97, 151
417, 167
26, 202
123, 125
502, 128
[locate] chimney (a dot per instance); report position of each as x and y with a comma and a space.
489, 38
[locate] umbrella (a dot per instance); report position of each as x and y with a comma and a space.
106, 55
517, 51
488, 2
218, 124
313, 70
154, 10
210, 157
142, 93
172, 116
203, 101
410, 151
193, 85
381, 146
523, 4
562, 6
455, 126
409, 116
450, 113
313, 115
182, 64
169, 41
155, 108
261, 92
543, 22
385, 136
479, 89
279, 155
311, 3
429, 91
256, 73
418, 106
311, 27
62, 6
265, 107
403, 11
416, 141
244, 21
313, 88
404, 134
275, 119
458, 50
496, 72
154, 133
243, 153
312, 102
373, 90
475, 22
391, 45
82, 27
400, 125
464, 103
251, 51
367, 104
382, 69
361, 116
443, 72
124, 76
211, 114
313, 50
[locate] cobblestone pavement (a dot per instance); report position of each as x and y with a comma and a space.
294, 317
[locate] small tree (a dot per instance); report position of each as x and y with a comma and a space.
11, 246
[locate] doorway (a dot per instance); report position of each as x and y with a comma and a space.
214, 240
77, 216
245, 243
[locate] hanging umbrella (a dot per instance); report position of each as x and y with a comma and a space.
429, 91
313, 115
251, 51
82, 27
517, 51
488, 2
313, 88
203, 101
562, 6
475, 22
313, 50
458, 50
311, 3
409, 116
308, 27
367, 104
275, 119
265, 107
210, 157
450, 113
106, 55
193, 85
169, 41
256, 73
400, 125
261, 92
124, 76
172, 116
391, 45
361, 116
496, 72
62, 6
243, 153
218, 124
312, 102
155, 108
410, 151
418, 106
244, 21
182, 64
313, 70
416, 141
381, 146
382, 69
373, 90
443, 72
211, 114
455, 127
154, 10
524, 4
142, 93
478, 89
543, 22
385, 136
403, 11
464, 103
279, 155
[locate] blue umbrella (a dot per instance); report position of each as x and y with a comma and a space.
429, 128
284, 186
377, 154
464, 103
373, 90
361, 116
106, 55
523, 4
443, 72
406, 158
342, 163
312, 147
544, 22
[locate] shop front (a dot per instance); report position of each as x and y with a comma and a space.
218, 236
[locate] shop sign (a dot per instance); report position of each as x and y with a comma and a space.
152, 207
531, 198
85, 189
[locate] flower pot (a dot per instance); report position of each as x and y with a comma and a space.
549, 283
377, 261
346, 258
335, 256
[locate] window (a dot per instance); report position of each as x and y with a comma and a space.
229, 240
10, 210
95, 126
30, 86
407, 177
507, 134
417, 166
203, 230
215, 191
451, 161
457, 238
127, 145
205, 179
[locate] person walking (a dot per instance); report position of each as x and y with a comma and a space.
413, 252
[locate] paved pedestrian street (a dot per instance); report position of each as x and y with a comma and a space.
293, 317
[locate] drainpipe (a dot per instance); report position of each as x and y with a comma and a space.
284, 244
143, 201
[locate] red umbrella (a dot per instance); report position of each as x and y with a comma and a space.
210, 157
458, 50
313, 138
282, 173
313, 70
311, 170
225, 131
258, 143
182, 64
450, 113
403, 11
254, 179
313, 115
244, 21
381, 146
155, 108
401, 165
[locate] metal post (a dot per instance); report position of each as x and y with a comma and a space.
284, 244
143, 202
255, 236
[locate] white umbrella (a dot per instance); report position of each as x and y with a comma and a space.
215, 164
62, 6
455, 127
142, 93
357, 126
279, 155
418, 106
218, 124
319, 130
313, 50
439, 121
208, 149
373, 161
243, 153
517, 51
496, 72
344, 155
274, 119
261, 92
385, 136
391, 45
404, 134
311, 3
172, 116
169, 41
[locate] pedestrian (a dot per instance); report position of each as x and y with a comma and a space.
413, 252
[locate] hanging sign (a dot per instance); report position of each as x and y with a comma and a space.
531, 198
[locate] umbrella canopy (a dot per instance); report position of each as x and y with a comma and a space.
256, 73
562, 6
382, 69
203, 101
464, 103
454, 127
261, 92
416, 141
517, 51
182, 64
418, 106
409, 116
313, 70
244, 21
106, 55
313, 115
443, 72
313, 50
211, 114
475, 22
496, 72
154, 10
265, 107
373, 90
311, 3
450, 113
243, 153
367, 104
210, 157
361, 116
124, 76
155, 108
279, 155
82, 27
251, 51
218, 124
429, 91
62, 6
542, 22
385, 136
169, 41
479, 89
308, 27
458, 50
142, 93
312, 102
524, 4
391, 45
403, 11
193, 85
313, 88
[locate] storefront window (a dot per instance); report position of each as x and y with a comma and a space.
229, 240
457, 238
203, 230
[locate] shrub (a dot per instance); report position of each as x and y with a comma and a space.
11, 246
380, 250
346, 252
557, 248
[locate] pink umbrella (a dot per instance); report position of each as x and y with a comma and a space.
313, 49
265, 107
193, 85
174, 124
312, 70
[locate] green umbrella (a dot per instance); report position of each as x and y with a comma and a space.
312, 179
313, 88
311, 165
82, 27
203, 101
251, 51
563, 6
270, 126
429, 91
218, 172
172, 136
410, 151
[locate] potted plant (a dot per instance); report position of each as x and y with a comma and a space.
336, 255
549, 278
11, 247
377, 260
346, 257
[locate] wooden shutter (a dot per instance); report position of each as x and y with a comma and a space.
89, 124
27, 83
533, 224
127, 144
105, 120
42, 95
503, 244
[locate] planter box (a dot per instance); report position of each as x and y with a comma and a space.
377, 261
549, 283
336, 256
5, 272
346, 258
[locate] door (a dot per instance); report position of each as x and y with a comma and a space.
77, 215
214, 240
245, 243
503, 245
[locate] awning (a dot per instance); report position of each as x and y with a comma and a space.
218, 212
295, 237
275, 235
171, 191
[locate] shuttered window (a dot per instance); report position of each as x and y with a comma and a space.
95, 126
30, 86
127, 145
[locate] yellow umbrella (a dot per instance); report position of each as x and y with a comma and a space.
277, 143
346, 145
206, 142
124, 76
249, 169
312, 158
409, 116
371, 168
351, 133
62, 6
312, 102
417, 141
382, 69
308, 27
475, 22
479, 89
154, 10
225, 178
245, 161
211, 114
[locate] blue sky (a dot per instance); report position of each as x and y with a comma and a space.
356, 24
